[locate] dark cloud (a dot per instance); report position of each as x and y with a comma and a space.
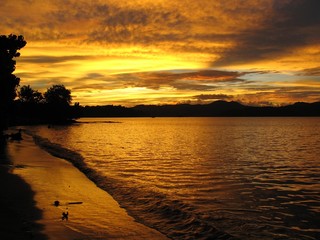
186, 31
53, 59
32, 74
203, 80
182, 85
213, 97
139, 26
113, 22
93, 87
280, 95
202, 75
291, 25
184, 26
310, 72
93, 75
299, 93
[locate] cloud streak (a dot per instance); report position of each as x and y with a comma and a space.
310, 72
204, 80
290, 26
176, 51
53, 59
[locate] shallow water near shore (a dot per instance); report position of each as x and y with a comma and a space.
200, 178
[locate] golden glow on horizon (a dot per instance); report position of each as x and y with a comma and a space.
143, 51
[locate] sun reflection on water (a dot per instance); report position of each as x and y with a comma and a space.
250, 177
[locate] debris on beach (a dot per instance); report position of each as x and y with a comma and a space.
75, 202
57, 203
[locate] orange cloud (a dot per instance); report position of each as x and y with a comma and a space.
135, 47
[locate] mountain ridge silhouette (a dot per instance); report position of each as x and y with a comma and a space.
215, 109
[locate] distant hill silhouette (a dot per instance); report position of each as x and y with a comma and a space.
214, 109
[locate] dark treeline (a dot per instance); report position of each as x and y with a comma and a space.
215, 109
52, 107
28, 106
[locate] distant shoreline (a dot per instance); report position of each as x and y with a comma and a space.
214, 109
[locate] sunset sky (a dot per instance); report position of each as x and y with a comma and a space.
130, 52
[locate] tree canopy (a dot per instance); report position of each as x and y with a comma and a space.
53, 107
58, 95
9, 46
28, 95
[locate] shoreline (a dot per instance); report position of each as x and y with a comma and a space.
18, 210
96, 215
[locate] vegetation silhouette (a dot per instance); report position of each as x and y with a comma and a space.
9, 46
30, 96
58, 95
214, 109
32, 107
52, 107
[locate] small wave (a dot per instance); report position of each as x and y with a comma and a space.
173, 218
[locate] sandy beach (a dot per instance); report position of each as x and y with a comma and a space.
18, 211
37, 180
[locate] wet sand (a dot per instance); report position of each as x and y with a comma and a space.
18, 212
93, 213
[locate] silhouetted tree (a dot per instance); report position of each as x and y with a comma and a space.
28, 95
58, 95
53, 107
58, 99
9, 46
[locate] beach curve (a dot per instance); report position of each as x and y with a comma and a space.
93, 213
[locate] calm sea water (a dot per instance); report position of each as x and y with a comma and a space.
206, 178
